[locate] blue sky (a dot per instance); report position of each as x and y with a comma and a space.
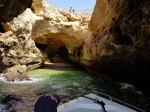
76, 4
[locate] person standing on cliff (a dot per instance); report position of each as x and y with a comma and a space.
73, 10
70, 9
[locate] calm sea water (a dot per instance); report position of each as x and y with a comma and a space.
68, 82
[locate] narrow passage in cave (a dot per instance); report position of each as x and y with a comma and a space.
56, 55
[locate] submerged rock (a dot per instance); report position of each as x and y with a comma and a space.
9, 102
8, 99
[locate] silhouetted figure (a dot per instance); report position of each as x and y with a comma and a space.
73, 11
70, 9
47, 103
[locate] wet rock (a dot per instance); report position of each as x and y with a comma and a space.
16, 73
9, 102
9, 99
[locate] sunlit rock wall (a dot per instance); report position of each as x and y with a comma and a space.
43, 25
114, 43
120, 45
59, 26
16, 45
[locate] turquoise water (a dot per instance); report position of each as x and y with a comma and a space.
67, 82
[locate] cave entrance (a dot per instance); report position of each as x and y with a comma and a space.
56, 52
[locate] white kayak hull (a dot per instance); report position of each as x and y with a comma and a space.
83, 104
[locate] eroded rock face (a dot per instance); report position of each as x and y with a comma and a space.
16, 45
110, 10
117, 43
59, 28
120, 43
12, 8
16, 73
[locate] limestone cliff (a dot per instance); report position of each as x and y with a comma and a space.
120, 43
115, 42
16, 45
55, 29
59, 29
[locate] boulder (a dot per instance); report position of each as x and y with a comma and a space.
16, 73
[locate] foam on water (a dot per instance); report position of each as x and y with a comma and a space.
32, 80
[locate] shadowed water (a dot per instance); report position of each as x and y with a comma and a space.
67, 82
